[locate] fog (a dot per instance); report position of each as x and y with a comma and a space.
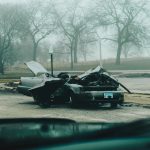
13, 1
80, 30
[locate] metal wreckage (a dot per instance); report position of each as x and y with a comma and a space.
93, 87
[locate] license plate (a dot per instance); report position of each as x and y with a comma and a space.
108, 95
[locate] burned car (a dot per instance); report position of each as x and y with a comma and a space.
93, 87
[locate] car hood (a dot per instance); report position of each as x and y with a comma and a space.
36, 67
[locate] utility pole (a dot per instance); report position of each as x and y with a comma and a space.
100, 53
51, 57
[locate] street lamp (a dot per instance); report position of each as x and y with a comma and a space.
51, 57
100, 52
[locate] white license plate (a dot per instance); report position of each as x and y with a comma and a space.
108, 95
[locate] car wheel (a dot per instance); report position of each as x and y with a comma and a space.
73, 100
42, 101
35, 99
114, 105
94, 105
44, 105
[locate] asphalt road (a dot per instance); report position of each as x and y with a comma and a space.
136, 85
19, 106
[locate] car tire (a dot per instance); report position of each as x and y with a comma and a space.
73, 100
114, 105
95, 105
35, 99
42, 101
44, 105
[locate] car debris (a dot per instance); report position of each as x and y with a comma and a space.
95, 86
8, 87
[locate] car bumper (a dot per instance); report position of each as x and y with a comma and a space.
24, 90
101, 96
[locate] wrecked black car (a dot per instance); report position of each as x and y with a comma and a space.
93, 87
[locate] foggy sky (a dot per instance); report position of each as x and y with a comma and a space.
108, 49
12, 1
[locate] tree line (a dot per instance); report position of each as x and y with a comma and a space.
25, 28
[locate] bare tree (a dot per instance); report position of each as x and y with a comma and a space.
86, 40
8, 22
124, 16
72, 23
130, 50
38, 23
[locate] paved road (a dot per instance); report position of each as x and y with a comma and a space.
130, 71
137, 85
18, 106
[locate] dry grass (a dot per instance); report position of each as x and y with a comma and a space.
8, 80
109, 64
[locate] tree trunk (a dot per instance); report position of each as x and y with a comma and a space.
119, 49
1, 67
84, 53
71, 56
126, 55
76, 48
85, 57
35, 51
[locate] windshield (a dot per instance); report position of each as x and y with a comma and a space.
87, 61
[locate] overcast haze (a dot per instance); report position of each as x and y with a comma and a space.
108, 47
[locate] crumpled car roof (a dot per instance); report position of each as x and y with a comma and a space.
93, 70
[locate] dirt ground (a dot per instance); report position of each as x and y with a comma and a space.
13, 105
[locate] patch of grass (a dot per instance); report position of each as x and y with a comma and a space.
126, 64
109, 64
8, 80
15, 75
137, 64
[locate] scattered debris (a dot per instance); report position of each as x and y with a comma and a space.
8, 87
12, 84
